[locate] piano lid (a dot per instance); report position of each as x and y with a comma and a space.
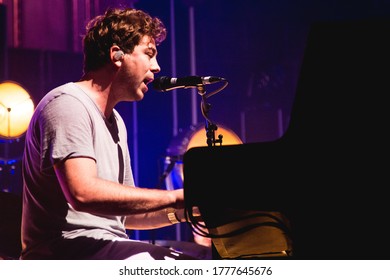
328, 172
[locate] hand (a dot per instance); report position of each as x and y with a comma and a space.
195, 212
199, 239
202, 240
179, 198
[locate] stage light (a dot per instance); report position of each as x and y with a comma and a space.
16, 109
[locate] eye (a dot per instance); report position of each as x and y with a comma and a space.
150, 53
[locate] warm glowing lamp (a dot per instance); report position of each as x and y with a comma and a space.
16, 109
198, 139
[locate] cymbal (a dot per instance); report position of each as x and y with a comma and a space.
16, 109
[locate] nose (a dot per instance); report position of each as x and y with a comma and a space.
154, 67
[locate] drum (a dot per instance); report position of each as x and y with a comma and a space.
11, 152
11, 149
195, 136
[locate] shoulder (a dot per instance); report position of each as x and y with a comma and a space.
63, 103
62, 91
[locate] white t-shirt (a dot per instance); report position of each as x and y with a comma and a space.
66, 124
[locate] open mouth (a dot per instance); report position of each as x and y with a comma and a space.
147, 81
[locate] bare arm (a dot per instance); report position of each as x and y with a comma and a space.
157, 219
152, 220
86, 192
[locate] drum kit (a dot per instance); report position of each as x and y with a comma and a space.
16, 109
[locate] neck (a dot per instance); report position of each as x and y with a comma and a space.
97, 86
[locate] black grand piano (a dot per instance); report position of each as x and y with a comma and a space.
328, 175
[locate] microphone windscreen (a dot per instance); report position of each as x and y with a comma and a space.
161, 83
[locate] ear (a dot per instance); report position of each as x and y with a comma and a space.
119, 55
116, 55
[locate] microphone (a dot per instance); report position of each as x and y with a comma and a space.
165, 83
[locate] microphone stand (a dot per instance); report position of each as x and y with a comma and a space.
210, 127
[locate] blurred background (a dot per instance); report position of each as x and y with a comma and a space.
257, 46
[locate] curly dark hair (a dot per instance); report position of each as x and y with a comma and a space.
121, 27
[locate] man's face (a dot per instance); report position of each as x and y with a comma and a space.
137, 70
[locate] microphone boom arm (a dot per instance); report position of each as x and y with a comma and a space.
205, 108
